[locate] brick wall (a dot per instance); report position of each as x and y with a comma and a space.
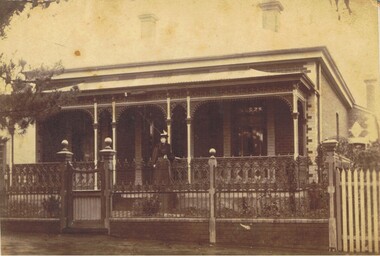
264, 234
30, 225
331, 105
162, 230
303, 235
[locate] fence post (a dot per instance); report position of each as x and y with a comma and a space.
329, 147
107, 155
212, 222
64, 156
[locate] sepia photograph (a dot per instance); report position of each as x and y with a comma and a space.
189, 127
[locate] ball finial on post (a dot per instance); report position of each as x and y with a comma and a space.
64, 144
65, 155
108, 143
212, 159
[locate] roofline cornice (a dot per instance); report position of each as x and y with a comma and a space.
201, 59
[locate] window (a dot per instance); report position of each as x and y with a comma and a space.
249, 134
337, 125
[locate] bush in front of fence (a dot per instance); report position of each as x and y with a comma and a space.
147, 206
51, 206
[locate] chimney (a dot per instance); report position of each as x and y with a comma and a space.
371, 85
148, 26
271, 14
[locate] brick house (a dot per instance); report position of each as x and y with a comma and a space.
271, 103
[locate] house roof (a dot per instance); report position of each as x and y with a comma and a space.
203, 69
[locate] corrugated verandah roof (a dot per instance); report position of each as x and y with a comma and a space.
174, 79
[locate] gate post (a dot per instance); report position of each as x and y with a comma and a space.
107, 155
329, 147
212, 221
64, 156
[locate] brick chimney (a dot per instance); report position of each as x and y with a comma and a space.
271, 14
372, 92
148, 26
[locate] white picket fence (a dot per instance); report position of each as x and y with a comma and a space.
357, 205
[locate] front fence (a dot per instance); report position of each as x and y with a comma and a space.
32, 191
237, 189
245, 187
242, 188
358, 210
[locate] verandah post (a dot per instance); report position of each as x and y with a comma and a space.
212, 221
64, 156
107, 155
330, 146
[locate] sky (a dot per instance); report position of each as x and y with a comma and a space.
83, 33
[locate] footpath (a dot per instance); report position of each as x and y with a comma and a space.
89, 244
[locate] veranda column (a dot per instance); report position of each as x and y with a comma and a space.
114, 139
295, 122
95, 142
169, 120
188, 120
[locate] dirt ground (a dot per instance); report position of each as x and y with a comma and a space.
85, 244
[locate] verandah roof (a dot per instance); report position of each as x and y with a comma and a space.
138, 82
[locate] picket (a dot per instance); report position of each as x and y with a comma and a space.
344, 210
362, 211
356, 207
350, 212
369, 212
375, 213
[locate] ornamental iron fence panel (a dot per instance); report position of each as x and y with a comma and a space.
265, 200
246, 187
32, 191
171, 201
255, 169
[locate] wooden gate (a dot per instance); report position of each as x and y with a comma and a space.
86, 202
357, 210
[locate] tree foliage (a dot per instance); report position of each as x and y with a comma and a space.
10, 8
361, 157
29, 95
24, 98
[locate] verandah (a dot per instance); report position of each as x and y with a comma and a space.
236, 128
